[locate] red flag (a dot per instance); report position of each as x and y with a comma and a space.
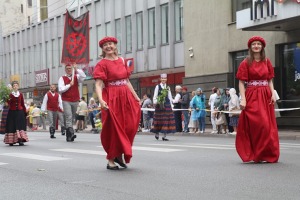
76, 39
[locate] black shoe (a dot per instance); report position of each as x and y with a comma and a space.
112, 167
164, 139
73, 137
11, 144
120, 163
21, 143
52, 137
156, 137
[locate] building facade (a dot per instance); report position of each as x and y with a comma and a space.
149, 31
215, 42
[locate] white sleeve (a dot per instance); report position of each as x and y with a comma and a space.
44, 104
177, 98
155, 95
80, 75
61, 85
60, 105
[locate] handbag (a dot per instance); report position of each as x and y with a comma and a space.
220, 120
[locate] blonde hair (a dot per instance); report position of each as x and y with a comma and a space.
103, 54
250, 57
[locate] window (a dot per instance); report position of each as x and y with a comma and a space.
237, 58
118, 33
139, 31
128, 34
238, 5
28, 18
21, 8
29, 3
99, 37
178, 20
107, 29
151, 27
43, 9
165, 24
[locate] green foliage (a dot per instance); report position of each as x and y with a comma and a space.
162, 97
4, 93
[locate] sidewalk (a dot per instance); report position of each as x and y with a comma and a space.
285, 134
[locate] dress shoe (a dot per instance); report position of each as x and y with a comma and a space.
21, 143
73, 137
122, 164
11, 144
156, 137
112, 167
52, 137
165, 139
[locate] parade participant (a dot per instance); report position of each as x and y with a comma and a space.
185, 104
62, 122
177, 105
68, 87
52, 102
163, 120
4, 107
120, 105
257, 134
15, 130
198, 104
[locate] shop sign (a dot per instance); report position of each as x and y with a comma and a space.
42, 77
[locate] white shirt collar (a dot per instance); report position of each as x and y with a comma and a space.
16, 94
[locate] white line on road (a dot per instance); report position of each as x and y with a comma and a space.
164, 150
1, 163
193, 146
33, 156
83, 151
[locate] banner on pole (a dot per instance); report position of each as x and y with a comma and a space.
76, 39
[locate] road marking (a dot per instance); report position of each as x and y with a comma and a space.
166, 150
1, 163
293, 144
220, 145
83, 151
195, 146
33, 156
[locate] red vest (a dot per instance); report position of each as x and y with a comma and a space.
72, 94
16, 103
52, 103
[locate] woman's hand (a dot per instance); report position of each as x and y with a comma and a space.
243, 104
103, 105
273, 99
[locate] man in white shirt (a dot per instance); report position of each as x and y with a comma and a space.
177, 105
211, 103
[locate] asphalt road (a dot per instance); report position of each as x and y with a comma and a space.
186, 167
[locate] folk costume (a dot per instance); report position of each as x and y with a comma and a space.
52, 102
163, 120
121, 120
15, 131
257, 134
3, 119
70, 97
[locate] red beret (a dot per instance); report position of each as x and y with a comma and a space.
184, 88
256, 38
107, 39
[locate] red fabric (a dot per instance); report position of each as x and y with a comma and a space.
107, 39
72, 94
256, 38
52, 103
16, 103
121, 120
257, 134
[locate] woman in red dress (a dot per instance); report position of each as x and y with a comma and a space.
15, 130
257, 134
120, 105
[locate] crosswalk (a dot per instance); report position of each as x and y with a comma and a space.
51, 156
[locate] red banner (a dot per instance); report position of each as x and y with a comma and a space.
76, 39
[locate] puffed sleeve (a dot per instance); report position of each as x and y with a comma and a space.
128, 65
270, 69
100, 72
242, 73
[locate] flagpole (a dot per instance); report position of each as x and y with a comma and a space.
78, 14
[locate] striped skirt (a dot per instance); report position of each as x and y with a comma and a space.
13, 138
3, 120
163, 120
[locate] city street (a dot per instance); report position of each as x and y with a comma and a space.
186, 167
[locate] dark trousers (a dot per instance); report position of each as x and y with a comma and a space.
178, 121
230, 128
91, 116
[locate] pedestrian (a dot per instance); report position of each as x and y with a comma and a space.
68, 87
36, 112
234, 105
93, 111
15, 130
220, 116
257, 133
120, 105
198, 104
226, 108
211, 103
193, 123
163, 119
177, 105
42, 117
147, 103
62, 121
185, 104
52, 103
81, 112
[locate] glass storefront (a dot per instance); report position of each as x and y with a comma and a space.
290, 81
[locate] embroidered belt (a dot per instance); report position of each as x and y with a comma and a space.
257, 83
117, 82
